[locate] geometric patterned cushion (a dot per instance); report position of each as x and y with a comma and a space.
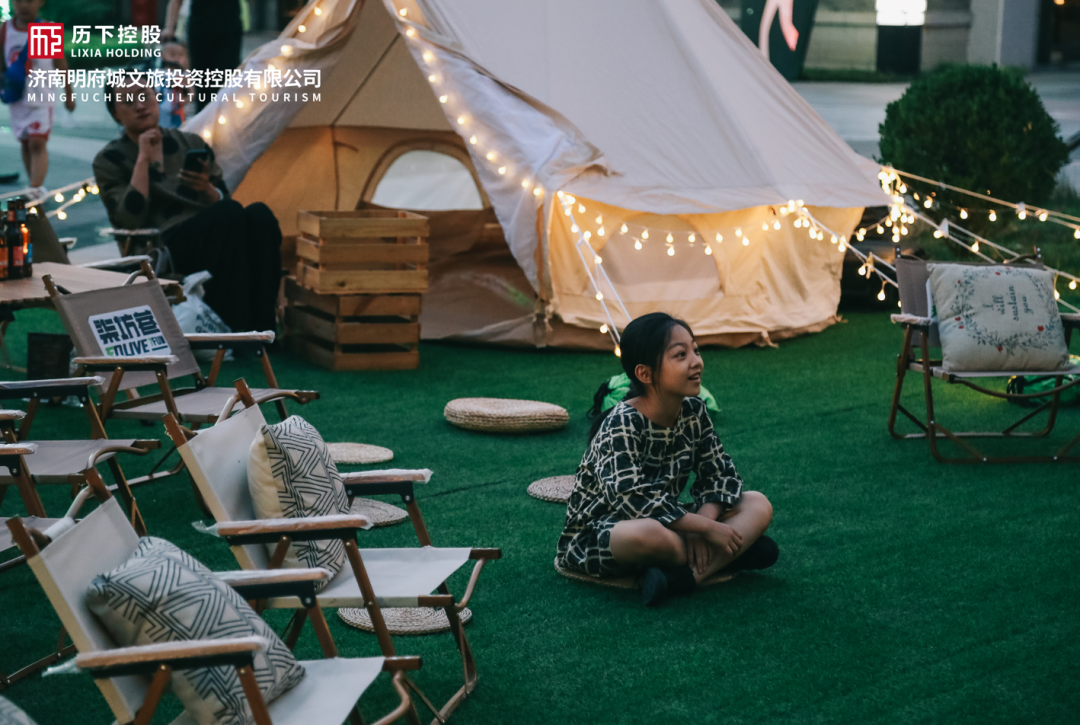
12, 715
997, 318
162, 594
292, 475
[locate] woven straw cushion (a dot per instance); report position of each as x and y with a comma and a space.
378, 513
162, 594
414, 620
556, 489
358, 453
504, 415
997, 318
630, 582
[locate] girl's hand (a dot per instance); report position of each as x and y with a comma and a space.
724, 537
698, 553
200, 182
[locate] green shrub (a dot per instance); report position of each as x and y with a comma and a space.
981, 128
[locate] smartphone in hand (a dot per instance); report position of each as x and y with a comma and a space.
194, 159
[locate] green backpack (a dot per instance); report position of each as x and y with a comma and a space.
1021, 384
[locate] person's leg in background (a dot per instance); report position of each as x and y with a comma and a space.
263, 235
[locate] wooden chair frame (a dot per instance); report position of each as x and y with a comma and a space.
933, 430
282, 532
158, 661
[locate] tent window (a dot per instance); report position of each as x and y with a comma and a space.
427, 180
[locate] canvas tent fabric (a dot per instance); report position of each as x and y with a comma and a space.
655, 113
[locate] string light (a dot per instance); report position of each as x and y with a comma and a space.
302, 28
461, 120
600, 232
1076, 234
318, 11
502, 171
691, 239
746, 241
1043, 216
738, 232
963, 214
764, 226
881, 294
637, 244
599, 219
618, 351
671, 251
645, 234
603, 329
490, 156
410, 33
524, 183
993, 215
623, 229
444, 98
580, 208
1072, 284
776, 225
597, 259
670, 238
975, 246
599, 295
221, 120
719, 239
428, 56
58, 197
708, 249
403, 12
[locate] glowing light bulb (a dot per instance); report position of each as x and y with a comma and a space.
746, 241
862, 270
719, 237
570, 199
881, 295
1043, 216
692, 238
286, 49
302, 28
963, 214
888, 222
599, 219
524, 183
776, 225
623, 229
597, 259
444, 99
993, 215
1057, 295
61, 215
410, 33
538, 191
271, 67
928, 203
618, 351
841, 247
574, 228
239, 104
798, 223
899, 304
645, 234
670, 238
587, 235
1022, 215
490, 155
637, 244
461, 120
472, 140
937, 234
903, 230
599, 295
903, 188
708, 249
975, 247
580, 208
221, 120
603, 329
94, 189
502, 170
1072, 284
671, 251
403, 12
59, 197
800, 203
764, 226
600, 232
834, 240
1076, 234
318, 11
880, 230
738, 232
428, 57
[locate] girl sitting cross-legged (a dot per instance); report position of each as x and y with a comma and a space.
624, 513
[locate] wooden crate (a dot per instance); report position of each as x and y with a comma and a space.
355, 331
362, 252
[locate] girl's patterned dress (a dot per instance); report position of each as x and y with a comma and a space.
635, 469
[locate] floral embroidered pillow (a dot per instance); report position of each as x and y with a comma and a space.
996, 317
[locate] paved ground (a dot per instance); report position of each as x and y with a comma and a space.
854, 109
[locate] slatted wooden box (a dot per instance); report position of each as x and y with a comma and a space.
365, 251
353, 331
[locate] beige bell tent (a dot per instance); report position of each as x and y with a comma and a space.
582, 162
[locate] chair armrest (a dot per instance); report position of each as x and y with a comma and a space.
268, 531
17, 449
1071, 319
140, 447
51, 387
235, 340
267, 583
402, 663
12, 414
912, 320
118, 262
140, 363
395, 476
144, 659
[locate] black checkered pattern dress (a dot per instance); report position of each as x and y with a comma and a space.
635, 469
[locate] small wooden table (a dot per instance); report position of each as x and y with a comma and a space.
30, 292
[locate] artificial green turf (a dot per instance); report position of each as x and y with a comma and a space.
907, 591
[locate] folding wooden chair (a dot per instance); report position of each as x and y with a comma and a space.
63, 462
133, 679
99, 320
217, 460
920, 332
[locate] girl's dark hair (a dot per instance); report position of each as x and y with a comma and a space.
643, 342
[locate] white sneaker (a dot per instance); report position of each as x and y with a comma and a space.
37, 192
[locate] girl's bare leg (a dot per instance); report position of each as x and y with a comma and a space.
648, 542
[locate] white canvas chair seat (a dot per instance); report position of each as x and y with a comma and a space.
943, 373
55, 461
201, 406
327, 693
398, 577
